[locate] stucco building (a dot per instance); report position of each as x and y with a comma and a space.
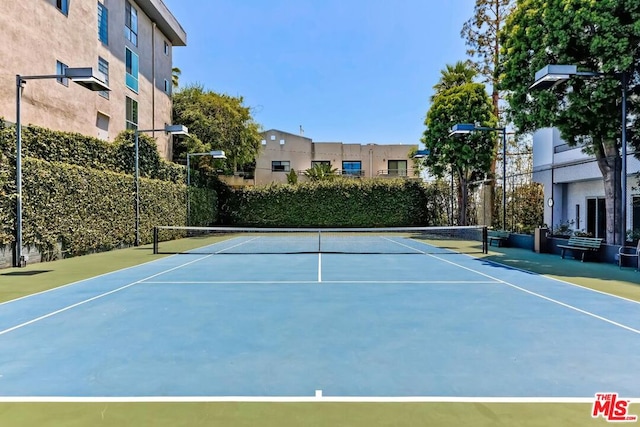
283, 151
574, 187
128, 43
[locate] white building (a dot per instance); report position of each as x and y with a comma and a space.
574, 186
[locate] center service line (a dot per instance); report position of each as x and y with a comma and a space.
319, 267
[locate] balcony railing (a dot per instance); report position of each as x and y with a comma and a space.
396, 173
352, 173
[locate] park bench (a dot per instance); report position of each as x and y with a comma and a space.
498, 236
582, 245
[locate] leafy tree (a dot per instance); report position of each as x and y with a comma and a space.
470, 156
481, 34
216, 122
321, 172
601, 36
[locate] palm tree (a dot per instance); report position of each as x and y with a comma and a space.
454, 75
321, 172
175, 76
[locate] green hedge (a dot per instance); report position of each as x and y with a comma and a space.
86, 210
78, 192
94, 153
337, 203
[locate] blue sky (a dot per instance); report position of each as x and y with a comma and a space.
349, 71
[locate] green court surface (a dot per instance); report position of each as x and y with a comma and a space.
15, 283
245, 414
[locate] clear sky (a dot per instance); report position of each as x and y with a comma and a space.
352, 71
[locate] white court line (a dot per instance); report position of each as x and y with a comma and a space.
562, 281
402, 244
319, 267
569, 306
304, 282
290, 399
87, 279
69, 307
234, 246
539, 274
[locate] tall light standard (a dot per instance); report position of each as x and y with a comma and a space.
553, 75
216, 154
169, 129
82, 76
465, 128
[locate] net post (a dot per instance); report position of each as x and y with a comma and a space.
485, 240
155, 240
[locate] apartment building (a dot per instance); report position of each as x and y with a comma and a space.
282, 152
128, 43
574, 188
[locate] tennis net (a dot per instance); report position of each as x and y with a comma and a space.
252, 240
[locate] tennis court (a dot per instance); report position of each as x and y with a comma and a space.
404, 319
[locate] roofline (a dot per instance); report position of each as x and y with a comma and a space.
287, 133
160, 14
415, 145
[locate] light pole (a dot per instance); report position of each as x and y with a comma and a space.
216, 154
553, 75
169, 129
82, 76
465, 128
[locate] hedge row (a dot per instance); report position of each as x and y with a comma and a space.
94, 153
81, 210
78, 192
337, 203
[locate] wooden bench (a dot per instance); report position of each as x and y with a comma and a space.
498, 236
582, 245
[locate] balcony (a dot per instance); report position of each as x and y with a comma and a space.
397, 173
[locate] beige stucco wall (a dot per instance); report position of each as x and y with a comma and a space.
300, 151
37, 35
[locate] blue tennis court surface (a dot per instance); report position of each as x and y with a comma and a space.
374, 325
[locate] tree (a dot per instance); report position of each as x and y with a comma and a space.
454, 76
175, 77
469, 157
219, 122
481, 33
598, 36
321, 172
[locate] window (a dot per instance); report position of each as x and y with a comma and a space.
60, 69
131, 23
596, 217
63, 6
131, 61
167, 87
132, 114
352, 168
166, 48
103, 70
103, 24
397, 167
280, 166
